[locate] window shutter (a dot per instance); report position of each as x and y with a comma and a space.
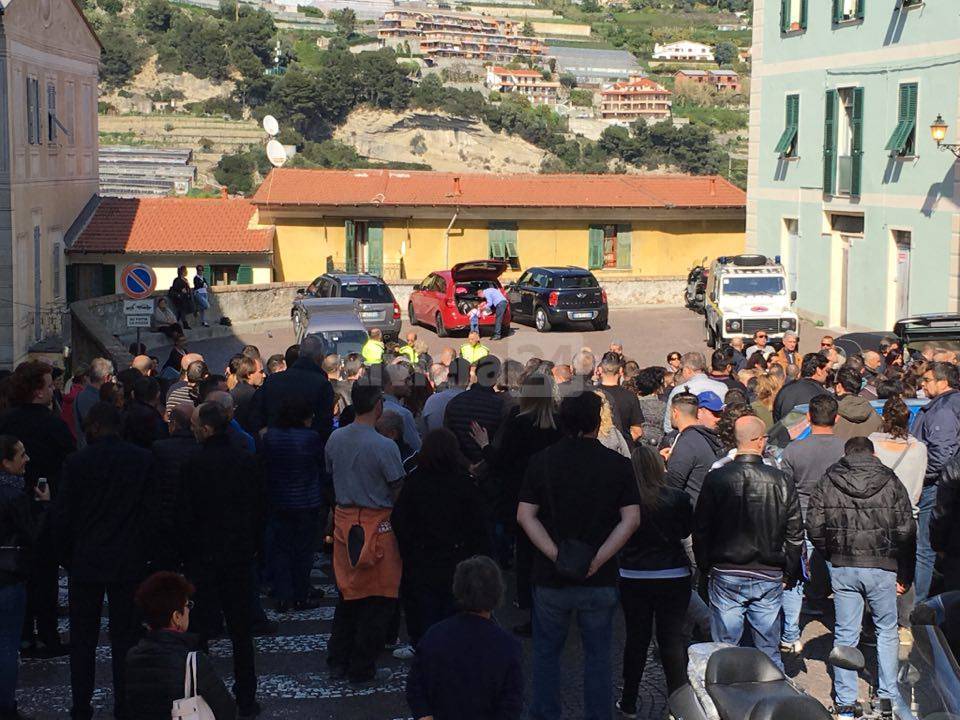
350, 250
861, 6
375, 248
108, 280
208, 274
55, 264
31, 114
906, 119
51, 112
803, 14
856, 126
837, 11
72, 282
784, 16
624, 246
244, 275
787, 145
595, 248
830, 142
495, 242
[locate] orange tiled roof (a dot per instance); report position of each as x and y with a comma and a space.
408, 188
173, 225
638, 85
499, 70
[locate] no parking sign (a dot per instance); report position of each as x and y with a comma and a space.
138, 281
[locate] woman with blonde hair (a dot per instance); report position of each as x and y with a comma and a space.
767, 388
609, 435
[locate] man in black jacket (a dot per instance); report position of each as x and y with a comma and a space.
250, 377
480, 404
144, 421
813, 374
48, 441
223, 523
945, 524
102, 523
747, 537
861, 520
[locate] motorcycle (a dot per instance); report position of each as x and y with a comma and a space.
695, 292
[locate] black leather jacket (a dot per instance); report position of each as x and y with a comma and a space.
945, 523
656, 545
748, 517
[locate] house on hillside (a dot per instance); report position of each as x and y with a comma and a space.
528, 83
722, 80
407, 224
49, 59
684, 50
220, 234
846, 182
639, 98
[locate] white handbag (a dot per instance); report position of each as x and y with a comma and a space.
192, 706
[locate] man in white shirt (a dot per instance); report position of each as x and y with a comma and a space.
693, 379
760, 338
497, 303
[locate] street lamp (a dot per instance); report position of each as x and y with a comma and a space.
938, 130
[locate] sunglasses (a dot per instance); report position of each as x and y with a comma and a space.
826, 345
761, 336
673, 357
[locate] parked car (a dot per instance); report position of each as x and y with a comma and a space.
336, 321
548, 296
378, 307
445, 298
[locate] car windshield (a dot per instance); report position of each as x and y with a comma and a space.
574, 281
367, 292
753, 285
341, 342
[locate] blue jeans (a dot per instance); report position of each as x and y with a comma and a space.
879, 587
13, 605
475, 323
499, 309
291, 552
925, 554
792, 605
552, 611
735, 599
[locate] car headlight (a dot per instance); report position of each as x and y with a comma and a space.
788, 324
733, 326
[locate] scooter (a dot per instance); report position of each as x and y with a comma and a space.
694, 293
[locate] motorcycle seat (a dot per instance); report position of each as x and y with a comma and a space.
744, 684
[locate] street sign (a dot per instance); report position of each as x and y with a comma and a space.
138, 281
138, 307
138, 321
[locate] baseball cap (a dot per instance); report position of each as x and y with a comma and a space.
710, 400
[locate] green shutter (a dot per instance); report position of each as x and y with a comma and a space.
830, 142
595, 249
624, 243
350, 250
784, 16
803, 14
375, 248
72, 271
856, 126
108, 280
495, 240
208, 274
787, 146
861, 7
837, 11
899, 142
244, 275
510, 241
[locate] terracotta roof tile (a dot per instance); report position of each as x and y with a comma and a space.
173, 225
290, 186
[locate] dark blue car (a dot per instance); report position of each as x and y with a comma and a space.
549, 296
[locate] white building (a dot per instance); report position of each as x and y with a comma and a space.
529, 83
683, 50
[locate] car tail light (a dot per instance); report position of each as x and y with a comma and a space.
552, 299
449, 302
396, 310
603, 296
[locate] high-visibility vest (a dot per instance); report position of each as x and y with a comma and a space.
472, 353
372, 352
410, 353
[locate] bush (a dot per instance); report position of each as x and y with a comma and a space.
581, 98
206, 144
418, 144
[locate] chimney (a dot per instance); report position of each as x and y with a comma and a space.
223, 193
713, 186
456, 186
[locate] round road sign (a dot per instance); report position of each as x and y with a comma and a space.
138, 281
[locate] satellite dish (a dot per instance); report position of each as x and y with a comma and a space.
271, 125
276, 153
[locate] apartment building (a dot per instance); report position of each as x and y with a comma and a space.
528, 83
49, 59
684, 50
446, 34
846, 182
721, 80
640, 98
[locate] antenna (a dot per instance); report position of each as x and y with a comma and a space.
271, 125
276, 153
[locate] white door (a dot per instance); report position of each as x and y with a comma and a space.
793, 252
903, 244
844, 279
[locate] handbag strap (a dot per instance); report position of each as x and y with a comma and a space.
902, 456
190, 676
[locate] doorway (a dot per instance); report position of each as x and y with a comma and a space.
792, 251
844, 278
903, 241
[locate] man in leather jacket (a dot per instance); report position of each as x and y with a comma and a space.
747, 536
945, 524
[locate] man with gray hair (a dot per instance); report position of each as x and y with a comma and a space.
788, 354
397, 382
238, 437
584, 365
99, 374
692, 379
455, 382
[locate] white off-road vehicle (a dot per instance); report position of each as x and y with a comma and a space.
747, 293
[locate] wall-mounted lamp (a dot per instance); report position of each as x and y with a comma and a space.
938, 131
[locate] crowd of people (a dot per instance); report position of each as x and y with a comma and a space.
695, 497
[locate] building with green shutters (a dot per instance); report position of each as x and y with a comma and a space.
845, 181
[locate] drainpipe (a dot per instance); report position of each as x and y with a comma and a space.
446, 237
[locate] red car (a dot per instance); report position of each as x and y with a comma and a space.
445, 297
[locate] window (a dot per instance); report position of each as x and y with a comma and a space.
574, 281
793, 15
367, 291
787, 147
846, 10
843, 142
502, 243
33, 111
609, 247
904, 139
223, 274
52, 112
753, 285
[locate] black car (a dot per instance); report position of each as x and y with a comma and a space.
548, 296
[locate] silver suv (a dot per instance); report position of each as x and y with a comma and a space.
378, 307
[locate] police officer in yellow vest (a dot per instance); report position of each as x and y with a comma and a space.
372, 350
472, 350
408, 350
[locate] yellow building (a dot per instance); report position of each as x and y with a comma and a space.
406, 224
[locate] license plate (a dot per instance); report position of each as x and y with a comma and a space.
369, 315
581, 316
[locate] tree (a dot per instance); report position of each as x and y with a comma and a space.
254, 31
235, 172
568, 81
346, 22
527, 29
725, 53
155, 16
111, 7
122, 56
429, 94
